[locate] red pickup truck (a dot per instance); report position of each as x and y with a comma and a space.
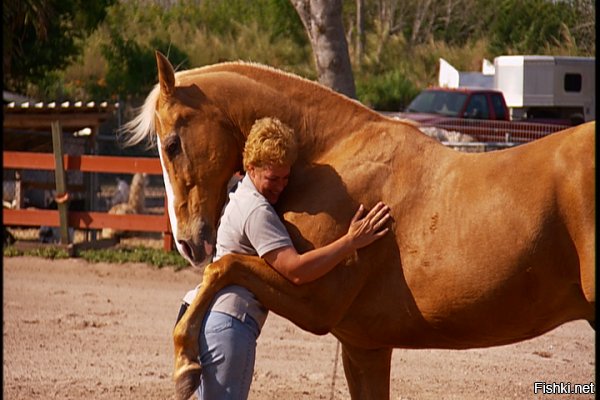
458, 103
481, 113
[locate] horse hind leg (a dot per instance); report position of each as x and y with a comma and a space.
367, 372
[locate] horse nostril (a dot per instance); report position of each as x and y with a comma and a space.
187, 250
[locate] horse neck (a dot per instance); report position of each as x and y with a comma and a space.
319, 116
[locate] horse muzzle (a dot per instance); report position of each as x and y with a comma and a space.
197, 249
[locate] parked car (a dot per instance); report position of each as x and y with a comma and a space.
479, 112
470, 103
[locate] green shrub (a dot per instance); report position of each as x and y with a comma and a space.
118, 255
120, 62
390, 91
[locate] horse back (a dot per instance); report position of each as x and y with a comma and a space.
514, 223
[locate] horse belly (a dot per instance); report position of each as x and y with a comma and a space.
485, 308
505, 297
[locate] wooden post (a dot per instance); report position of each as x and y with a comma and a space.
91, 180
61, 186
19, 195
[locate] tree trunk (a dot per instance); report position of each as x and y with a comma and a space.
360, 31
322, 20
421, 17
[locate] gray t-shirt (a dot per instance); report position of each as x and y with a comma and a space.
249, 225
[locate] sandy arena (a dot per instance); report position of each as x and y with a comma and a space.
74, 330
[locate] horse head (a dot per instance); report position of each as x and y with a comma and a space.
200, 149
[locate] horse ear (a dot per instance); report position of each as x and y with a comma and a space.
166, 74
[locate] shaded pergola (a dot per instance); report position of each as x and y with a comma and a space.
30, 128
27, 126
36, 127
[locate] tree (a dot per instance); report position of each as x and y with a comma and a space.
584, 28
529, 27
43, 36
322, 20
128, 72
360, 30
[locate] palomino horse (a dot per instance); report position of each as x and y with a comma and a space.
485, 249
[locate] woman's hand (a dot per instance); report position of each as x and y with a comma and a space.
365, 230
309, 266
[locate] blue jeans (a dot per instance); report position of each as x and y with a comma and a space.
227, 354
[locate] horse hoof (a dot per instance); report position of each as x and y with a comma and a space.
187, 383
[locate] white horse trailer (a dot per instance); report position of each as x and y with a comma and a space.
547, 87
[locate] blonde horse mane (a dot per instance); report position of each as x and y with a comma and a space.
142, 127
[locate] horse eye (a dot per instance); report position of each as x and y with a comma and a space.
173, 146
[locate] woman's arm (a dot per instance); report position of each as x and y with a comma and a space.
306, 267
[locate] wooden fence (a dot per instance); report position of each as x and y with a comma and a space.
85, 220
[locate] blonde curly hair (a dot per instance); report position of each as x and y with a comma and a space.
270, 142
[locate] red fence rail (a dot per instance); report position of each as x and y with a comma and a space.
88, 220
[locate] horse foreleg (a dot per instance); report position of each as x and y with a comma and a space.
185, 337
367, 372
312, 310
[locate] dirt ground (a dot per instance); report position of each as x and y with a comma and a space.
74, 330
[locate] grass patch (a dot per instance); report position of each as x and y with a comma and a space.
121, 255
117, 255
50, 252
